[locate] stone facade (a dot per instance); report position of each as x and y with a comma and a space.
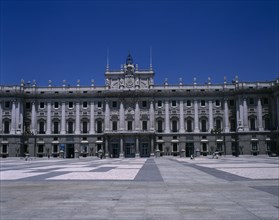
130, 116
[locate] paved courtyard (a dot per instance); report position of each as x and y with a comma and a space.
140, 188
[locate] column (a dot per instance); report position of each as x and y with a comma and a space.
245, 115
181, 117
167, 117
33, 118
260, 115
121, 117
239, 108
17, 121
196, 117
107, 116
63, 118
152, 116
20, 117
210, 112
137, 117
1, 118
137, 146
226, 116
121, 148
77, 131
92, 118
13, 122
48, 130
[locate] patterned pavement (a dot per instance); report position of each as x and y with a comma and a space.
74, 169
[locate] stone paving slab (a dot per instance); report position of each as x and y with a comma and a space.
162, 188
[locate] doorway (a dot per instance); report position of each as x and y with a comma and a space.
144, 150
114, 150
129, 150
70, 151
189, 149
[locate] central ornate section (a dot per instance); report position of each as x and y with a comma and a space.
129, 76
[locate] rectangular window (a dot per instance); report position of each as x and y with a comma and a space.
231, 102
204, 147
42, 105
55, 148
56, 105
6, 127
160, 146
4, 149
71, 104
189, 103
144, 125
174, 147
144, 104
159, 103
41, 148
7, 104
233, 125
160, 126
114, 104
251, 101
99, 104
27, 105
114, 125
254, 146
41, 127
130, 126
84, 127
217, 103
173, 103
265, 101
203, 103
84, 104
99, 127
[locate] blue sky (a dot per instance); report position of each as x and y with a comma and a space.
68, 40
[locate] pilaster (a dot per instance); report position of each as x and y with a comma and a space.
77, 131
167, 117
196, 116
181, 116
63, 118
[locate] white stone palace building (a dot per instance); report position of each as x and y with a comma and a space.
130, 116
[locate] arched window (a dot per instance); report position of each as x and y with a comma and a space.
189, 125
174, 124
41, 124
99, 126
70, 126
56, 126
85, 126
252, 122
160, 125
7, 126
203, 123
218, 123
